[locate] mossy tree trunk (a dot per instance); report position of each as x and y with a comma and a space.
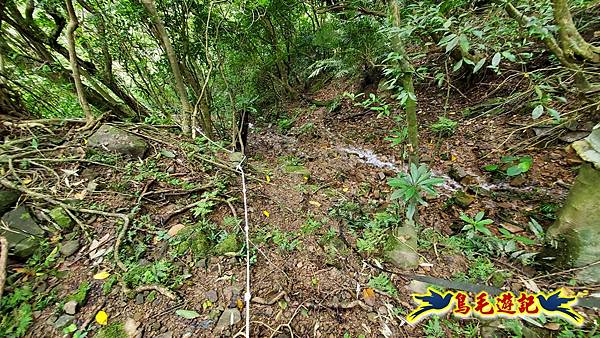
407, 83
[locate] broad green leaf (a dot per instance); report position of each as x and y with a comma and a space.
464, 43
555, 114
450, 46
457, 65
491, 167
187, 314
479, 65
537, 111
496, 59
479, 216
514, 171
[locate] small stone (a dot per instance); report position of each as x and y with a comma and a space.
417, 287
372, 316
463, 199
175, 229
156, 326
457, 173
187, 335
139, 299
51, 320
168, 334
381, 176
131, 328
229, 317
63, 321
70, 307
68, 248
517, 181
205, 324
212, 296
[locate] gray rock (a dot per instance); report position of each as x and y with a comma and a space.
139, 299
68, 248
63, 321
212, 296
70, 307
116, 140
229, 317
23, 233
8, 198
457, 173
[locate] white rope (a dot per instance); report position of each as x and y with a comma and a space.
247, 295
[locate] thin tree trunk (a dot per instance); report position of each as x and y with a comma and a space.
565, 59
71, 27
407, 82
179, 83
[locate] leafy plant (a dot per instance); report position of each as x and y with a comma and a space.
476, 224
542, 104
383, 283
444, 126
514, 165
410, 187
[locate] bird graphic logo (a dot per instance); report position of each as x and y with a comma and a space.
430, 302
555, 304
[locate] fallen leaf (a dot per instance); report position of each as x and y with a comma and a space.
268, 178
552, 326
239, 304
26, 181
512, 228
102, 275
266, 213
187, 314
345, 189
315, 203
453, 158
175, 229
207, 303
101, 317
369, 296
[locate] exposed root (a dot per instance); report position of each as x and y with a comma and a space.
3, 259
37, 195
262, 301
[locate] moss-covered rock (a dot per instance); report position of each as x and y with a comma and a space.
118, 141
60, 217
229, 244
8, 198
23, 233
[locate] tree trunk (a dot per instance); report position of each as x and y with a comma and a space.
571, 42
565, 59
179, 83
71, 27
407, 82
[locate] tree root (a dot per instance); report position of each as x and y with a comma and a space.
124, 217
160, 289
3, 259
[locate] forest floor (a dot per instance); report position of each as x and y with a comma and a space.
308, 187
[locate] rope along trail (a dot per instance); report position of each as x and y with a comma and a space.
247, 295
